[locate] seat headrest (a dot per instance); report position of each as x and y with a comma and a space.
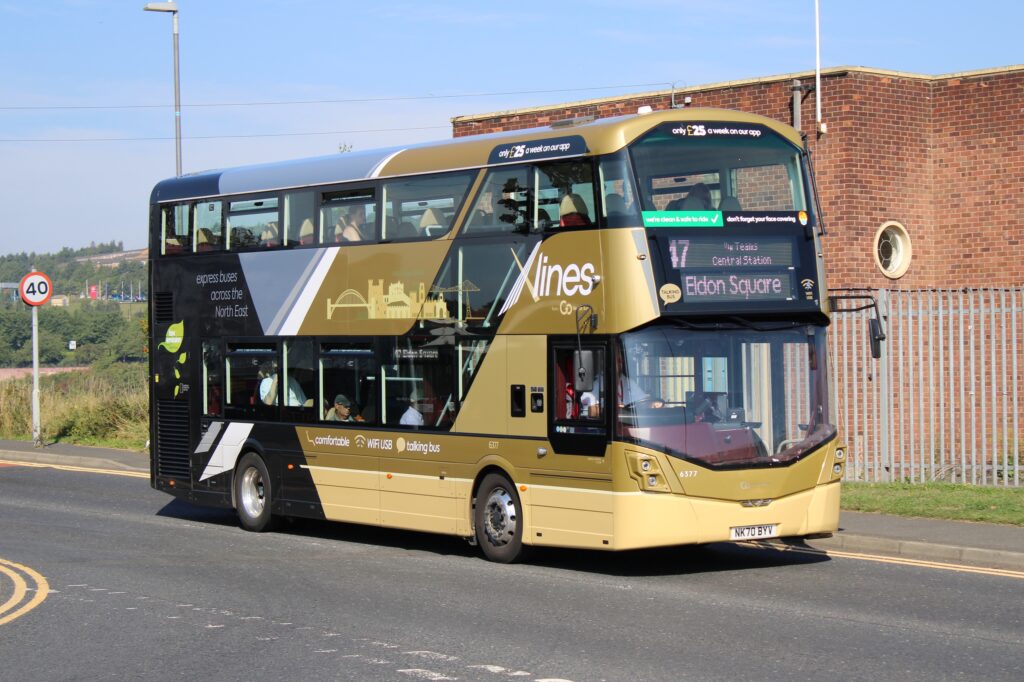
269, 232
306, 229
572, 203
694, 203
430, 218
614, 203
729, 203
204, 235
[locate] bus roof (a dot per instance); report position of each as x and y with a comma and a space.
589, 136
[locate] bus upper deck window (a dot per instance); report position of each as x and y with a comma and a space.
349, 216
209, 217
503, 204
565, 193
424, 207
177, 237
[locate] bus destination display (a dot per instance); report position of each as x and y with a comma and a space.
734, 268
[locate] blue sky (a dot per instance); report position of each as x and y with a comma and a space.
73, 59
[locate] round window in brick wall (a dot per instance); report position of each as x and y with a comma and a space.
892, 249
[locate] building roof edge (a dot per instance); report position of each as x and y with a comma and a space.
721, 85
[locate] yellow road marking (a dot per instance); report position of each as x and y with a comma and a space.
21, 587
920, 563
68, 467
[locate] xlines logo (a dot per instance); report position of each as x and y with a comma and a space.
545, 279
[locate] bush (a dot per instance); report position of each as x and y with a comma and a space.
108, 406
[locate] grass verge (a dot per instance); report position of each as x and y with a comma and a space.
937, 501
107, 407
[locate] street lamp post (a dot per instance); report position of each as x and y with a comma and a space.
172, 7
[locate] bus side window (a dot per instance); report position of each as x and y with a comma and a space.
209, 219
299, 214
349, 216
177, 236
566, 189
246, 367
620, 205
571, 401
503, 204
299, 382
418, 389
349, 371
213, 391
424, 207
253, 223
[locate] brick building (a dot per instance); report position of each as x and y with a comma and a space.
942, 157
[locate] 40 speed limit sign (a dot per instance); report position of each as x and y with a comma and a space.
36, 288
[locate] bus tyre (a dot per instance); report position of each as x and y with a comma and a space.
498, 518
252, 493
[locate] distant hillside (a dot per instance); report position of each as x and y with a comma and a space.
113, 260
73, 271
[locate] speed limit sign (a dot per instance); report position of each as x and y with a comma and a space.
36, 288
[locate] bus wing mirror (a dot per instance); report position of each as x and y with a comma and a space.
583, 361
875, 337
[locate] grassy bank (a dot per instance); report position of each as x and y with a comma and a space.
937, 501
105, 406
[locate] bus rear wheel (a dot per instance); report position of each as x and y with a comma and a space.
252, 493
498, 518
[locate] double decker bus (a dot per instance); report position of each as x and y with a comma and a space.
605, 334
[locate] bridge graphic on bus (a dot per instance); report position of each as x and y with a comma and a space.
397, 304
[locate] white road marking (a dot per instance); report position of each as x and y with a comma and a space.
433, 655
425, 674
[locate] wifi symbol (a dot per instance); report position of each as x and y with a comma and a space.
360, 441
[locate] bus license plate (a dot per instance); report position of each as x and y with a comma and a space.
765, 530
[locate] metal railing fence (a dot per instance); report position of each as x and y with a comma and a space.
943, 401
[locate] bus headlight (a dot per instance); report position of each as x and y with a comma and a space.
837, 469
646, 471
840, 454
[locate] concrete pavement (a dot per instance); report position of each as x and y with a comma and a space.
957, 542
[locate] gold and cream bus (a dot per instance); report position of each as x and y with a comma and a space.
601, 334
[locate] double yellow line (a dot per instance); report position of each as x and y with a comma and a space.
899, 561
25, 581
68, 467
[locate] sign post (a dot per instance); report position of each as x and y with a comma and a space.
35, 289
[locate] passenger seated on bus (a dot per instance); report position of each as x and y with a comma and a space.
352, 228
268, 375
432, 224
699, 198
343, 410
572, 212
729, 203
270, 236
412, 416
205, 239
306, 233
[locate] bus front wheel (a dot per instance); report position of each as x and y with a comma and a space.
498, 518
252, 493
